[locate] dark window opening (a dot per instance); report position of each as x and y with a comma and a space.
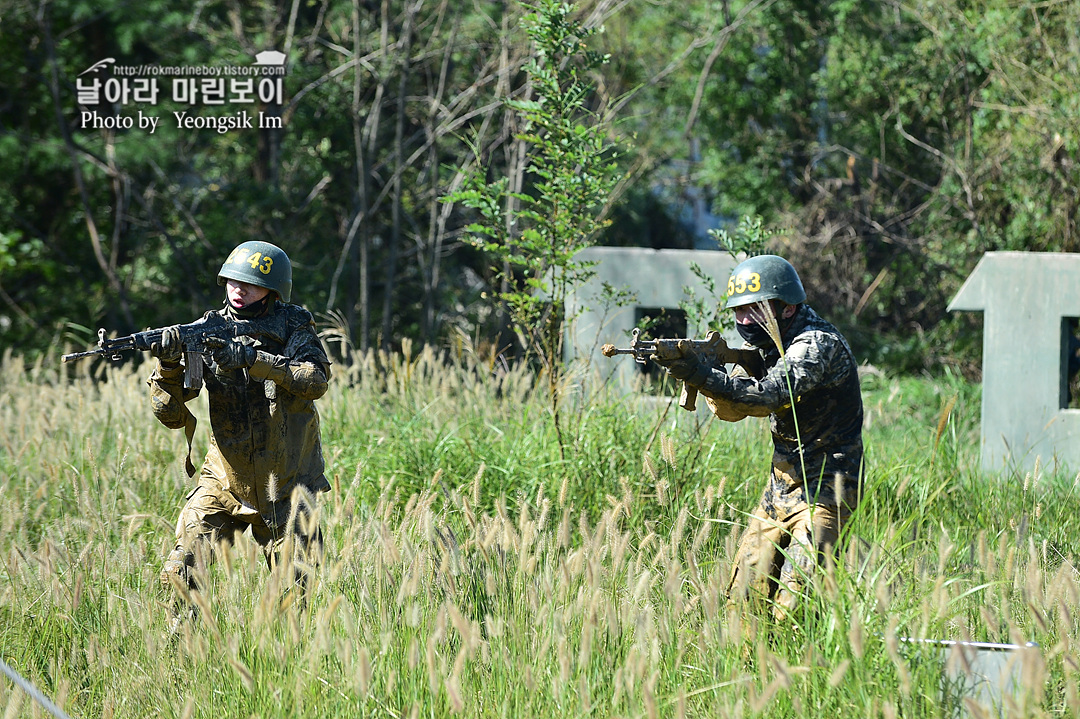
1070, 363
660, 323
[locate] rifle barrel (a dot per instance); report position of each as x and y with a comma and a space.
80, 355
611, 350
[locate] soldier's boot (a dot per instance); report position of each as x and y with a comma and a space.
176, 573
178, 582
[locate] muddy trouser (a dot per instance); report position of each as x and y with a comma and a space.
213, 516
776, 558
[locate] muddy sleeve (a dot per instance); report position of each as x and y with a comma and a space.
168, 397
724, 410
722, 407
302, 368
803, 367
304, 379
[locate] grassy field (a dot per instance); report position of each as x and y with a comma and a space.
478, 566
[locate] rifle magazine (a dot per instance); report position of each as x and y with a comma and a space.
193, 370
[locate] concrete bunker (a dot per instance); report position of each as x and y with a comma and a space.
1031, 302
659, 281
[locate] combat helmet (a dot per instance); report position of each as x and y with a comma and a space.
765, 277
261, 264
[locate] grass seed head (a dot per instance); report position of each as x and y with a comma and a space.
363, 671
661, 492
667, 450
432, 668
649, 468
246, 677
545, 510
476, 485
855, 635
272, 487
627, 493
453, 693
837, 675
762, 313
412, 655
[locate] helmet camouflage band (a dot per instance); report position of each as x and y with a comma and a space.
261, 264
761, 278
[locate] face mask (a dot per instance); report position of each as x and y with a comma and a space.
755, 334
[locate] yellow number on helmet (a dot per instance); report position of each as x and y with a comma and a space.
267, 264
253, 260
740, 284
232, 255
731, 286
755, 282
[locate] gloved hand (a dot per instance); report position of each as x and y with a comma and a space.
685, 365
230, 354
169, 349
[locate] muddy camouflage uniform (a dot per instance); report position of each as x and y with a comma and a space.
264, 445
809, 494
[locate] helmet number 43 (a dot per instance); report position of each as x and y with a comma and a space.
745, 281
257, 260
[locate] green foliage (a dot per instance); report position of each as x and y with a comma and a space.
532, 236
169, 206
897, 141
533, 223
749, 238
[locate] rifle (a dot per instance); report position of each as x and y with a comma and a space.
713, 349
193, 336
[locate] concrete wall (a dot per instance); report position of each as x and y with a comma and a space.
1024, 297
658, 279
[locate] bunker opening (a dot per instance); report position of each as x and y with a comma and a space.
659, 323
1070, 363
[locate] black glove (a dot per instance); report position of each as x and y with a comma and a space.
683, 360
169, 349
685, 366
230, 354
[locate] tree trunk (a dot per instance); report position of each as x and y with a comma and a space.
399, 158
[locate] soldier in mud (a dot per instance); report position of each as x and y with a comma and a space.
815, 481
264, 466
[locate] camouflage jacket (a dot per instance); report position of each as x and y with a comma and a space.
264, 428
827, 415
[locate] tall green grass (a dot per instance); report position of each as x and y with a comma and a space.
473, 567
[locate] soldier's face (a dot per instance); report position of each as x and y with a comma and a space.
242, 294
744, 315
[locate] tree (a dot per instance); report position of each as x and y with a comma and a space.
532, 225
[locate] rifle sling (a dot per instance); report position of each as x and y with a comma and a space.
189, 431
